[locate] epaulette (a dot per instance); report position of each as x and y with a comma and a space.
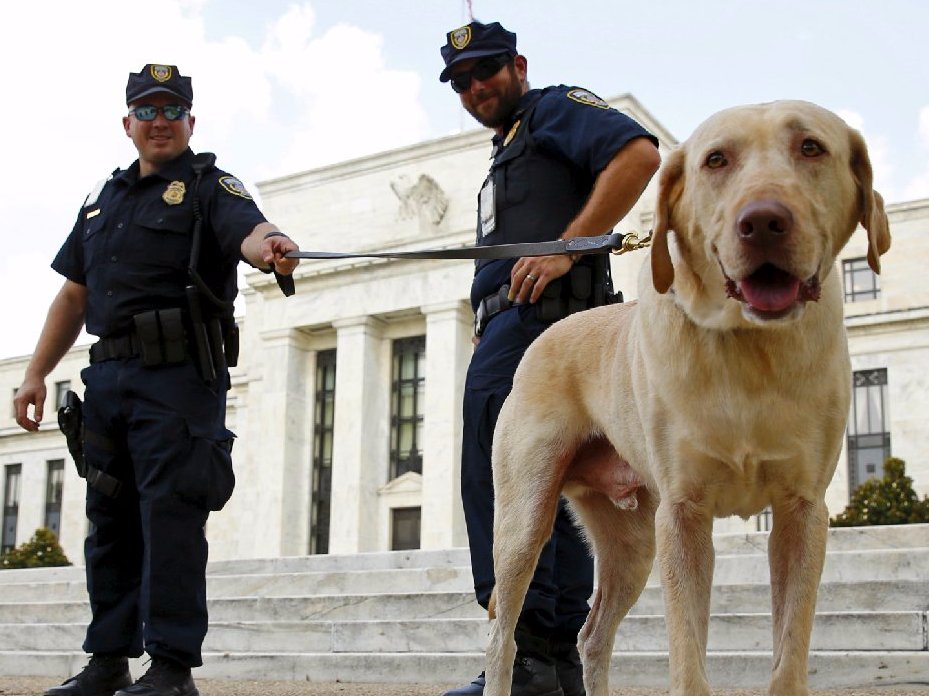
98, 188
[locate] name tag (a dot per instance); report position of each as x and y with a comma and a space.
486, 208
92, 213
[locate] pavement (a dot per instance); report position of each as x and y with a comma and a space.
35, 686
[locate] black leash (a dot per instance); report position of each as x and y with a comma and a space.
615, 243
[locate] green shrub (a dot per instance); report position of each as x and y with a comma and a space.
41, 550
888, 500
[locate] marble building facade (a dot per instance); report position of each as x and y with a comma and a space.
347, 397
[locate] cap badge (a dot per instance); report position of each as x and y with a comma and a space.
461, 37
161, 73
512, 134
174, 194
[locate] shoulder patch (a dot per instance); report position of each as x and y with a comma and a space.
585, 96
234, 186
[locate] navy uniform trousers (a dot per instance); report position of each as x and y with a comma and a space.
556, 604
159, 431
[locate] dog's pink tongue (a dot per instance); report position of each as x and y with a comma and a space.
770, 297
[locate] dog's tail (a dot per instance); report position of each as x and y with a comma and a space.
492, 605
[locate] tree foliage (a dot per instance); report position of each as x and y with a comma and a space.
887, 500
42, 550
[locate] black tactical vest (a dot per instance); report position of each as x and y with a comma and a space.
536, 193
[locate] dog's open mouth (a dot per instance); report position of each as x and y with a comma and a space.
772, 292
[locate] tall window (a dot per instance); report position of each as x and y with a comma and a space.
321, 483
868, 436
406, 408
61, 390
13, 405
54, 488
859, 280
405, 528
12, 474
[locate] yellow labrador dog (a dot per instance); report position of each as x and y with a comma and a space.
725, 389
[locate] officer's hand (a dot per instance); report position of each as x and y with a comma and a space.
273, 250
530, 276
31, 392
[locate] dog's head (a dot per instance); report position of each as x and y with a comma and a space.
760, 200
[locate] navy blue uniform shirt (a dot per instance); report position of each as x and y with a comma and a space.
571, 124
131, 244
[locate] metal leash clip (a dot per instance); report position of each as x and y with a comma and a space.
631, 242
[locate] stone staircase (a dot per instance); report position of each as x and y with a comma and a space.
409, 617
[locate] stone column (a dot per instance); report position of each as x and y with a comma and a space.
360, 446
281, 452
448, 350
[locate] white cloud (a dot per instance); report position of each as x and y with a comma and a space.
286, 102
350, 102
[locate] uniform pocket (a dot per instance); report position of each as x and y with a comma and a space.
164, 236
207, 479
92, 240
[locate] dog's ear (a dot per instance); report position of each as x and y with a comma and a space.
873, 218
670, 185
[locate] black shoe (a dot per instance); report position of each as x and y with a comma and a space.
534, 669
101, 677
533, 676
475, 688
163, 678
569, 668
530, 678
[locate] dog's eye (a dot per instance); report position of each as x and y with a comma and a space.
811, 148
716, 159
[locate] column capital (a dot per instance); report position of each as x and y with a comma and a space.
462, 308
364, 321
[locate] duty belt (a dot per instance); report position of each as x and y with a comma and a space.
490, 307
116, 348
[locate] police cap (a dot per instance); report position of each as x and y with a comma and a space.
155, 78
475, 40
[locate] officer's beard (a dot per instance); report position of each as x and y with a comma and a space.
507, 101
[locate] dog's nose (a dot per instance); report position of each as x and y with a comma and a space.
764, 222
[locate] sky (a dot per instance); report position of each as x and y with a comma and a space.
286, 86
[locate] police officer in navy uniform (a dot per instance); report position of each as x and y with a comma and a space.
564, 165
154, 410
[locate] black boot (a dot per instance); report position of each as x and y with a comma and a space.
163, 678
475, 688
569, 668
534, 669
101, 677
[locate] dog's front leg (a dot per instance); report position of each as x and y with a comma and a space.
796, 553
684, 535
501, 651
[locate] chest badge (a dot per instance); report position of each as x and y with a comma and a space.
512, 134
174, 194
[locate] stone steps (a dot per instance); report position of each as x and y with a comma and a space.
828, 669
891, 596
907, 564
904, 630
410, 617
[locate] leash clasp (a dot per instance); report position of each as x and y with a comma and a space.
632, 242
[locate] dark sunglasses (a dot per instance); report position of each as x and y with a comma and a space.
483, 69
147, 112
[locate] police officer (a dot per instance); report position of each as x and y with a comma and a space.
564, 165
155, 398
